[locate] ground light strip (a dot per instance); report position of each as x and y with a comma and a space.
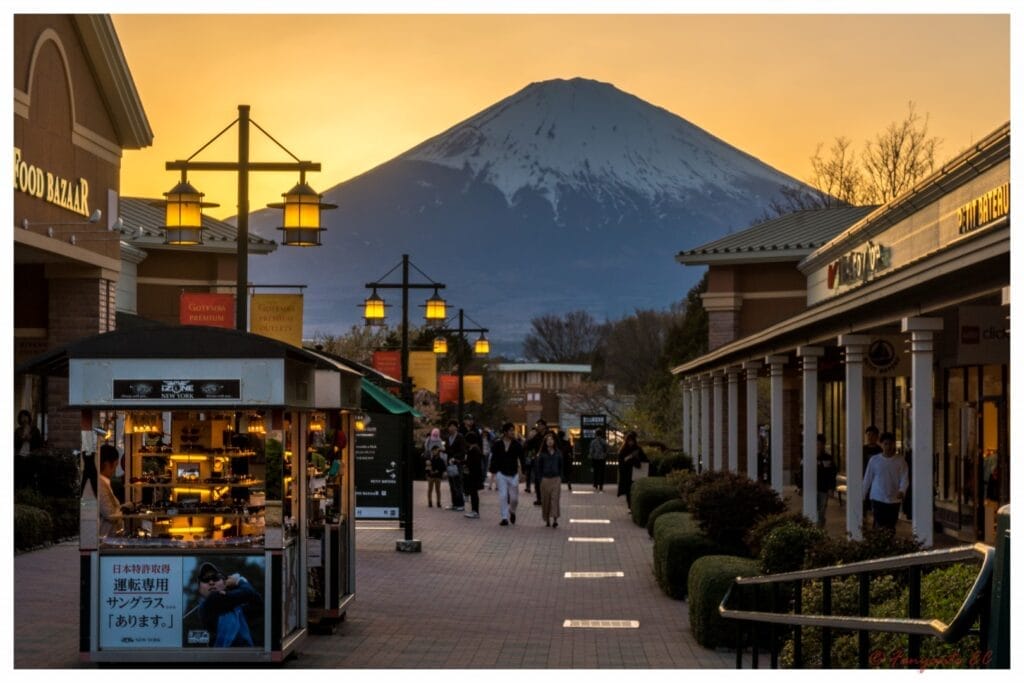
590, 521
600, 623
582, 493
591, 539
595, 575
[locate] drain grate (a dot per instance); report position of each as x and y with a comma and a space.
591, 539
595, 575
600, 623
590, 521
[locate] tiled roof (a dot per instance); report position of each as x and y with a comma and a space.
147, 214
789, 237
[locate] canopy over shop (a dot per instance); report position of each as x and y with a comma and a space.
236, 470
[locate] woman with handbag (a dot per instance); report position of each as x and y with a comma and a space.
630, 457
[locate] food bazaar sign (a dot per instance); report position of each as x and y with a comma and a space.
34, 181
858, 267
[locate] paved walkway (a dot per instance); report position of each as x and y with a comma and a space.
478, 596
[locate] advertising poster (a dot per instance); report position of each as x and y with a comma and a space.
222, 597
378, 454
423, 370
140, 602
278, 316
211, 310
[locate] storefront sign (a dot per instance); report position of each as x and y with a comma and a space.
423, 370
590, 423
210, 310
859, 267
278, 316
72, 195
378, 451
388, 363
887, 357
176, 389
983, 336
984, 209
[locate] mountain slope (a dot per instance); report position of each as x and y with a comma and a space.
568, 194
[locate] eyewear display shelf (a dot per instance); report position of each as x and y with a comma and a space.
327, 551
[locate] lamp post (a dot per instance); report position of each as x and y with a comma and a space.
374, 314
184, 204
481, 347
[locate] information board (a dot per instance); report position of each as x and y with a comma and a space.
378, 454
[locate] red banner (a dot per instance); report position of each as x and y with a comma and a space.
448, 388
210, 310
388, 362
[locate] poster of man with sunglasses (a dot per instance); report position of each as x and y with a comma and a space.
225, 595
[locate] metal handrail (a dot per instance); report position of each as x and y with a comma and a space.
947, 633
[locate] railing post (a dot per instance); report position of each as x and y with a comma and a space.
754, 654
739, 627
914, 612
798, 631
999, 613
774, 630
863, 637
826, 633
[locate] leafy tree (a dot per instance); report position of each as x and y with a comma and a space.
571, 338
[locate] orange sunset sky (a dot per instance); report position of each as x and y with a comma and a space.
353, 91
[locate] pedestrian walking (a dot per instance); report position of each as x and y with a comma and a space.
473, 474
567, 454
506, 459
435, 472
487, 446
532, 445
549, 465
598, 454
455, 449
826, 484
631, 456
885, 483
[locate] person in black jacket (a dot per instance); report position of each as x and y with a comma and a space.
27, 437
506, 459
455, 449
630, 457
473, 473
826, 483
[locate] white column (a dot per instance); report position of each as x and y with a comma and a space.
695, 422
705, 422
718, 445
732, 399
810, 356
856, 345
751, 368
922, 354
684, 386
777, 363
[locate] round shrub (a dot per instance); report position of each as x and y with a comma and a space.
674, 505
32, 527
786, 546
50, 471
876, 543
710, 578
678, 543
760, 530
647, 494
729, 505
671, 462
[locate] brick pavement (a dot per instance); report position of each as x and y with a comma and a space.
478, 596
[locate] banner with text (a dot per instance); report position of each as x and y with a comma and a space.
278, 316
203, 308
472, 388
388, 362
423, 370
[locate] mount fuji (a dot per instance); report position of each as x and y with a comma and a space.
569, 194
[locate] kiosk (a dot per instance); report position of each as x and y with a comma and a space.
238, 526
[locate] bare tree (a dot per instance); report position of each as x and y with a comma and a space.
898, 157
571, 338
632, 349
837, 179
357, 344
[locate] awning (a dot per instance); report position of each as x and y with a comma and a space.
378, 398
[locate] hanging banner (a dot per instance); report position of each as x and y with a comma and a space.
278, 316
389, 363
448, 388
473, 388
423, 370
203, 308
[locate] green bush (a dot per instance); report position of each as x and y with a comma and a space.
710, 578
674, 505
755, 537
647, 494
32, 527
63, 511
785, 548
664, 463
729, 505
50, 471
876, 543
678, 543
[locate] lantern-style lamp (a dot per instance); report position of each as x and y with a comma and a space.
482, 347
302, 206
373, 309
440, 345
184, 215
436, 309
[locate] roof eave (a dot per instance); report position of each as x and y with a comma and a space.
747, 257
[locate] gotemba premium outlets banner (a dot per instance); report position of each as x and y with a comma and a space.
278, 316
203, 308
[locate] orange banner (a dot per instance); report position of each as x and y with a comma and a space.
210, 310
388, 362
472, 388
448, 388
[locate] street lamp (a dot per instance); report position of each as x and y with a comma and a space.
184, 204
481, 347
374, 314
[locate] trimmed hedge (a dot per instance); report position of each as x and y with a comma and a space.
759, 532
710, 578
674, 505
647, 494
678, 543
786, 546
32, 527
729, 505
663, 463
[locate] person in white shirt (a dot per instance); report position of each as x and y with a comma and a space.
111, 518
885, 483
